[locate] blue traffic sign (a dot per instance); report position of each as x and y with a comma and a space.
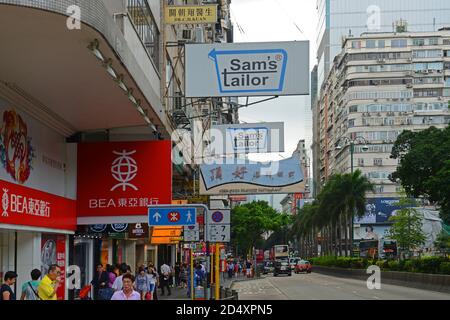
172, 216
217, 216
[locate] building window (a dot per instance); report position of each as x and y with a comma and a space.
379, 189
419, 42
427, 53
145, 24
356, 44
433, 41
371, 44
381, 44
351, 123
377, 161
399, 43
360, 162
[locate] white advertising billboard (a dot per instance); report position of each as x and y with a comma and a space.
284, 176
247, 69
31, 154
261, 137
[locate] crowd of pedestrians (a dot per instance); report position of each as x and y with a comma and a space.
237, 268
110, 282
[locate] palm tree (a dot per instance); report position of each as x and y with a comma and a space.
356, 187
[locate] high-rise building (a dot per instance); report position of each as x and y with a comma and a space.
380, 85
338, 18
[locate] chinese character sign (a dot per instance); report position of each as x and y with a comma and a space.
283, 176
25, 206
123, 178
191, 14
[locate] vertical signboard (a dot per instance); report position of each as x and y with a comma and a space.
53, 251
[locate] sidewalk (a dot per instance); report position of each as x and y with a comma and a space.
181, 294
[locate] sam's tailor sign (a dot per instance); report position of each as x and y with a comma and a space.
247, 69
123, 178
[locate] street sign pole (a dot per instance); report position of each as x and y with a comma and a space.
217, 272
192, 273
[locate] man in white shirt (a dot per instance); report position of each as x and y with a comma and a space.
127, 293
118, 283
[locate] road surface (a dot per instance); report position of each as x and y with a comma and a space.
315, 286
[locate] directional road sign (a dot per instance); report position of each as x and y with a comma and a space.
171, 216
191, 236
219, 233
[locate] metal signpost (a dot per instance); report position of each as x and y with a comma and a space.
185, 215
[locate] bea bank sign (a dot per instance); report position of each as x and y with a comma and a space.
123, 178
247, 69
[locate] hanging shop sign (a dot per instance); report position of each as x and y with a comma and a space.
247, 69
246, 138
283, 176
28, 207
123, 178
138, 231
206, 14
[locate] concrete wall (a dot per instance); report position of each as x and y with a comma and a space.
433, 282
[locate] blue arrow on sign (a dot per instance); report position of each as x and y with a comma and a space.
172, 216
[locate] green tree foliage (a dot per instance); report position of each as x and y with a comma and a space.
251, 220
331, 213
424, 168
407, 226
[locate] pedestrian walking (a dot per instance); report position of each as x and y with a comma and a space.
143, 283
184, 274
99, 282
236, 269
177, 274
6, 293
164, 279
230, 269
248, 268
199, 276
153, 279
50, 283
111, 275
29, 288
117, 285
127, 292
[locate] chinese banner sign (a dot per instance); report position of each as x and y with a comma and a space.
283, 176
53, 251
123, 178
191, 14
29, 207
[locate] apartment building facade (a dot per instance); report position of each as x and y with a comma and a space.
380, 85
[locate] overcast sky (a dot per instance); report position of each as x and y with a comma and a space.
279, 20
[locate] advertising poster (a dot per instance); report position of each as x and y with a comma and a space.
378, 210
53, 251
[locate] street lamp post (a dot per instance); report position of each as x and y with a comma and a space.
351, 144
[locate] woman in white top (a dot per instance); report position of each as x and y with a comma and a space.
153, 278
